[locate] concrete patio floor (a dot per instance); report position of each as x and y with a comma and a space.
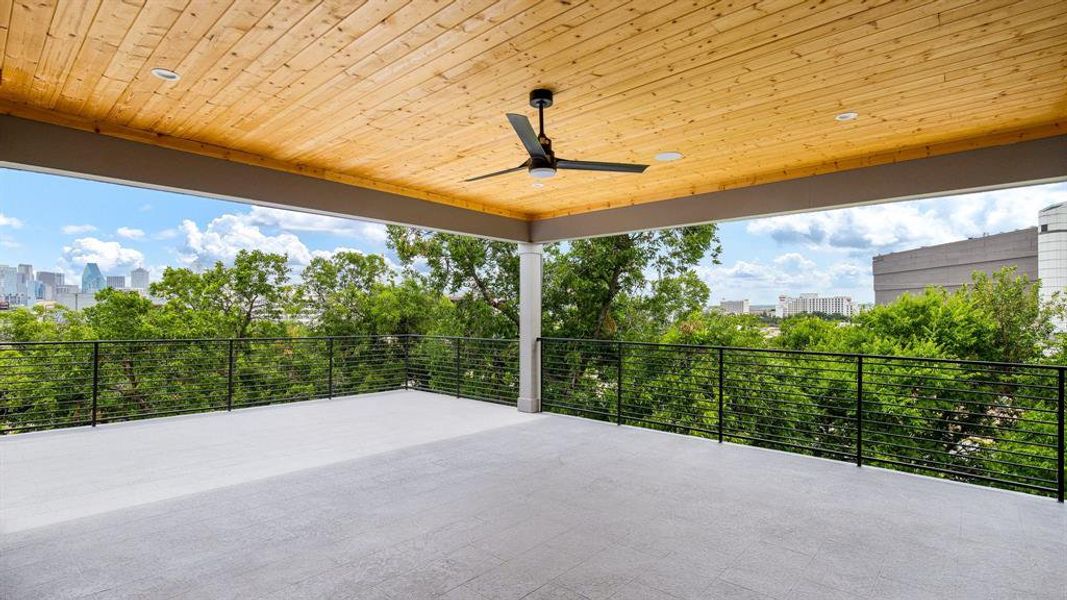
406, 495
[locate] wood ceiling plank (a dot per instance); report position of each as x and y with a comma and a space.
403, 96
719, 103
129, 60
199, 20
565, 71
362, 33
417, 44
70, 22
633, 25
315, 24
240, 36
6, 7
29, 23
101, 42
784, 142
575, 98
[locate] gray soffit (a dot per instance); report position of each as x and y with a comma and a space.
41, 147
34, 146
1021, 163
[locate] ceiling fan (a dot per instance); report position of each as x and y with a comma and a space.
543, 162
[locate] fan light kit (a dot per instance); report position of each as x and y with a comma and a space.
669, 156
165, 74
846, 116
543, 162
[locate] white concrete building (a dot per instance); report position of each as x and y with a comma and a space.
813, 303
734, 307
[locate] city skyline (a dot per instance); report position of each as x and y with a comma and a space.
60, 224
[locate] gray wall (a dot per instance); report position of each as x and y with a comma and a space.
950, 265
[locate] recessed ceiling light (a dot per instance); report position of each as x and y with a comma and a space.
165, 74
669, 156
846, 116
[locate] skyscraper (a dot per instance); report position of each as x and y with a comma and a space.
139, 279
116, 281
92, 279
8, 280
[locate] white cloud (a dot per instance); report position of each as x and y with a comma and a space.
898, 226
227, 235
269, 230
166, 234
111, 256
791, 273
78, 229
130, 233
12, 222
290, 220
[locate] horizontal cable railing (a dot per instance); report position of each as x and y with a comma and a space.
48, 385
996, 424
990, 423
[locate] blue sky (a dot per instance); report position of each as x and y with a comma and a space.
59, 223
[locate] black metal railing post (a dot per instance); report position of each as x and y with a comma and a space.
1059, 435
96, 383
859, 411
329, 368
229, 377
405, 344
721, 425
618, 386
459, 376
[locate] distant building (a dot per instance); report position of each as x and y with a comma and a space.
139, 279
116, 281
951, 265
1052, 250
49, 282
76, 300
763, 310
734, 307
92, 279
8, 280
813, 303
50, 278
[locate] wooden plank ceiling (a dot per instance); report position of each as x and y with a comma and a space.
410, 96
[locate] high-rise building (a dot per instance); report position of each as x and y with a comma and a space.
813, 303
139, 279
50, 278
116, 281
734, 307
50, 282
92, 279
8, 280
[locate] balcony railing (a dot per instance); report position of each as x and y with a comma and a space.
48, 385
996, 424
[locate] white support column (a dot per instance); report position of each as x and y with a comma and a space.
530, 273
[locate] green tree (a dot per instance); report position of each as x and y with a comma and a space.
249, 298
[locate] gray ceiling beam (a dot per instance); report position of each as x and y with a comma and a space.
41, 147
1022, 163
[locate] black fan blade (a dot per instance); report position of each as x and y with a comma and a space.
588, 165
504, 172
527, 135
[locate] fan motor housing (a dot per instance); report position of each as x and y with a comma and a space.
541, 98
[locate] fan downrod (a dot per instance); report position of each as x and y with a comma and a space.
541, 98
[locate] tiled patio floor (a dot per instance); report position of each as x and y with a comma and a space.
408, 495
